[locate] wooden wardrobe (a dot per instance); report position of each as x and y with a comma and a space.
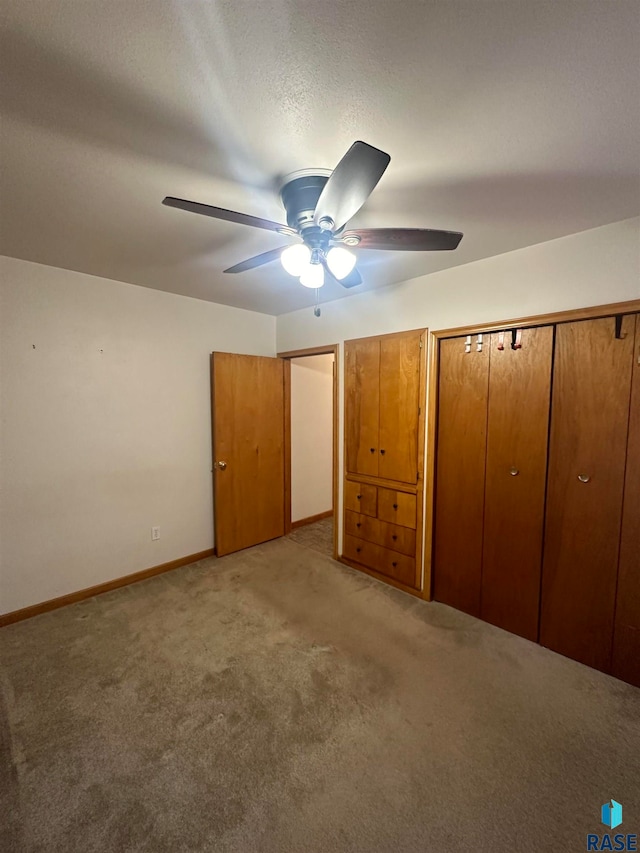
537, 486
384, 450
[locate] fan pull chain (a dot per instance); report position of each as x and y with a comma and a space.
316, 310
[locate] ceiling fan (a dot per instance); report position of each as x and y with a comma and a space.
319, 203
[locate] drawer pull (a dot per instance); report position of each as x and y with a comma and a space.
358, 524
372, 450
358, 550
394, 565
395, 506
394, 537
358, 496
383, 452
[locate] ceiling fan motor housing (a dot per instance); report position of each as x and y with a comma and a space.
300, 196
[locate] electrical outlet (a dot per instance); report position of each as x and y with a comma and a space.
155, 533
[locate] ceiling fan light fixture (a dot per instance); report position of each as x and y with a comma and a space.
313, 276
295, 259
340, 261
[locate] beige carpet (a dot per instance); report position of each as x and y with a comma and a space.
275, 701
318, 536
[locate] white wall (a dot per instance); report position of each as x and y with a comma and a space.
311, 435
590, 268
105, 426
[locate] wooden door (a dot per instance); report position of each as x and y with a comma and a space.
362, 405
518, 426
460, 468
588, 443
248, 437
625, 661
399, 403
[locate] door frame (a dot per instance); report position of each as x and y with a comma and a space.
329, 349
433, 372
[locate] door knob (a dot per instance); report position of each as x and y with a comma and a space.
372, 449
383, 452
220, 465
584, 478
514, 472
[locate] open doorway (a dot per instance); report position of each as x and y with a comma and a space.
311, 444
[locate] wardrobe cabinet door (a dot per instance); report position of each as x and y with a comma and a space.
588, 445
362, 405
625, 662
518, 426
399, 399
460, 468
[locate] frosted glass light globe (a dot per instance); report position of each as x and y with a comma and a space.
295, 259
340, 262
313, 276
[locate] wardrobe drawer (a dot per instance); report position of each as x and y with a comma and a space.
391, 536
390, 563
397, 508
360, 497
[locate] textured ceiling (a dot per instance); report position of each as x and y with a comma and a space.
514, 122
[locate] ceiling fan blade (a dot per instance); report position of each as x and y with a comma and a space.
404, 239
257, 260
352, 280
350, 184
227, 215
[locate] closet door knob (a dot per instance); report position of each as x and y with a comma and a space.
514, 472
382, 451
584, 478
372, 450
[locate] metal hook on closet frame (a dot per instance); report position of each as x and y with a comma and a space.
516, 339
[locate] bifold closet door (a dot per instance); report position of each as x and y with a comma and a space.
587, 453
399, 399
625, 661
516, 469
460, 468
362, 406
